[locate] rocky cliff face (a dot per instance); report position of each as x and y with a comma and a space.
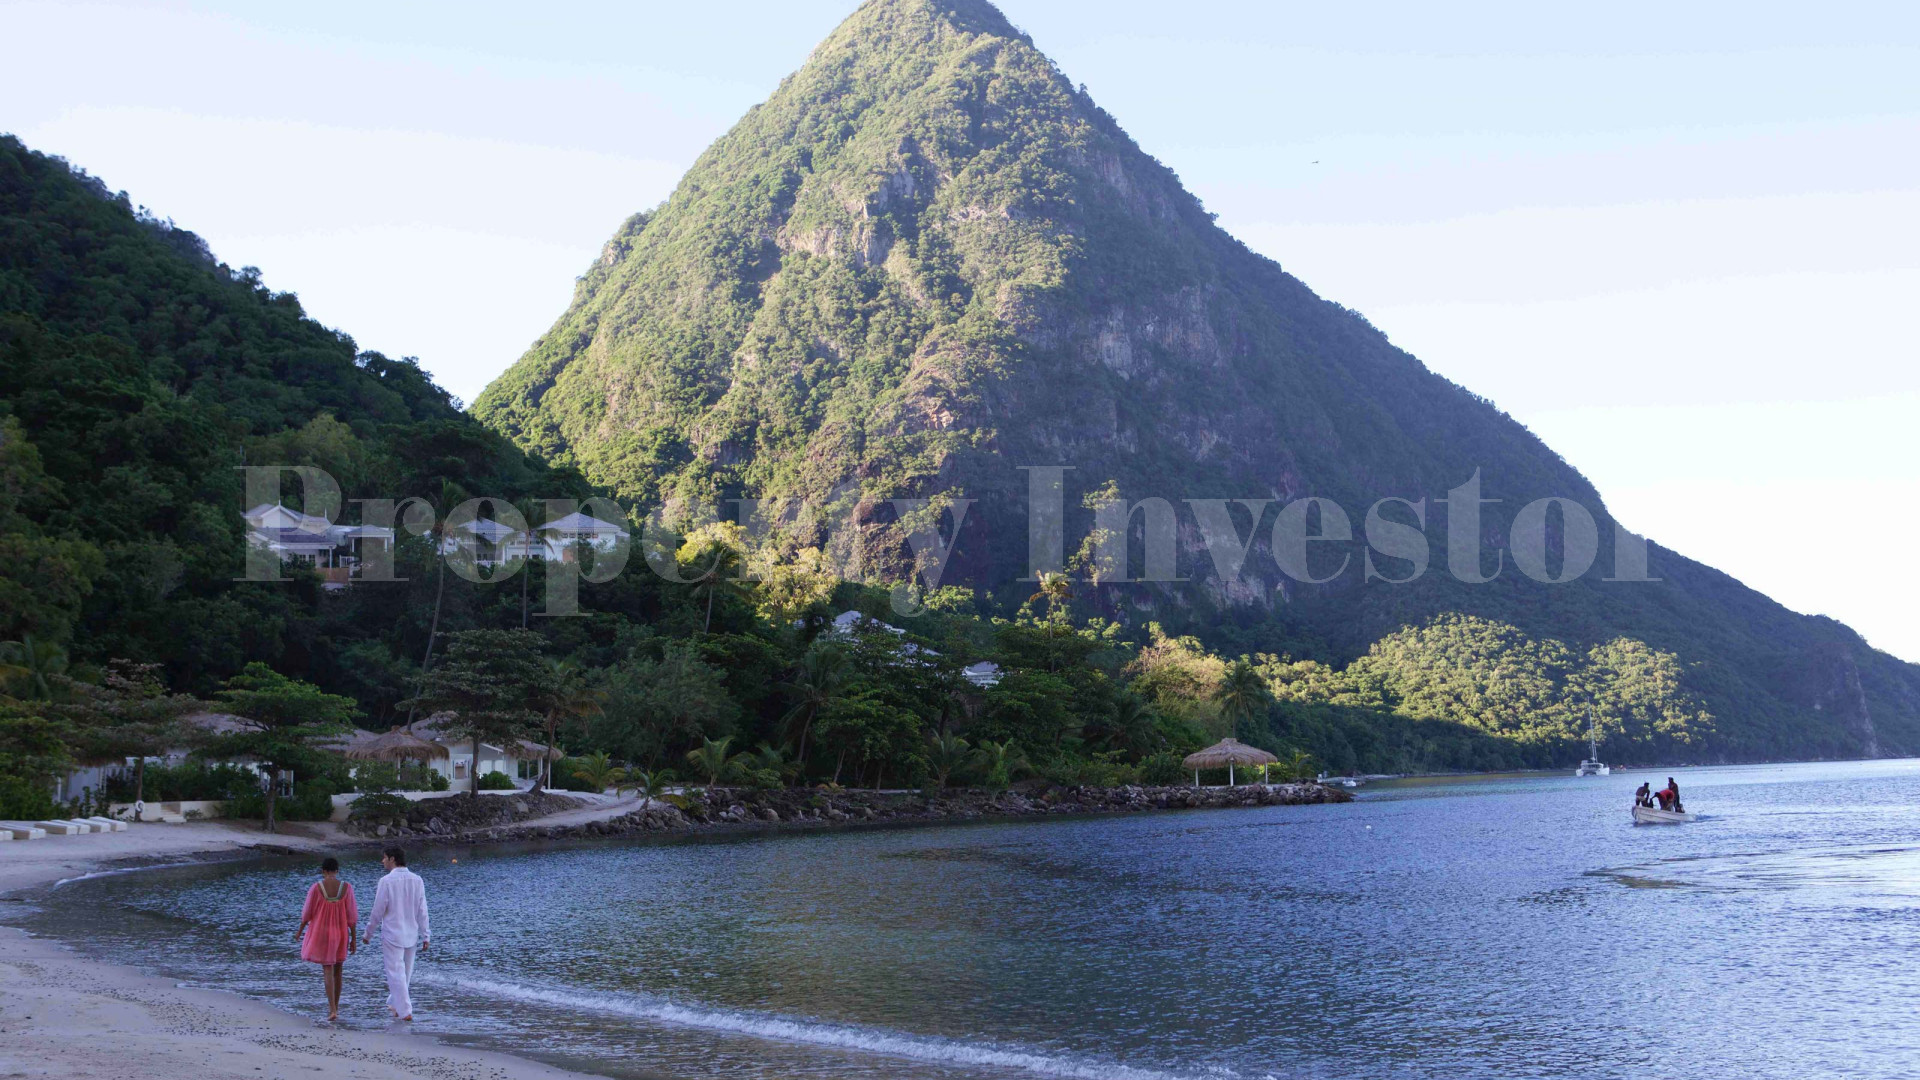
929, 259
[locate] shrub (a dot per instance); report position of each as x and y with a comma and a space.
496, 781
1162, 769
377, 776
380, 808
1100, 770
191, 781
312, 800
25, 799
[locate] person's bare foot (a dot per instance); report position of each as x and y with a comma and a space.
333, 1018
407, 1019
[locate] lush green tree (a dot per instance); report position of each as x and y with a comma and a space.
131, 714
653, 708
283, 725
494, 684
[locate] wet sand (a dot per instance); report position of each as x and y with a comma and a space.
63, 1016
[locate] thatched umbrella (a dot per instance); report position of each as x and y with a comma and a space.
400, 744
1227, 752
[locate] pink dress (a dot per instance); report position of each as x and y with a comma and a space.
330, 924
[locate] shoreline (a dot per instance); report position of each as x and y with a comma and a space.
67, 1015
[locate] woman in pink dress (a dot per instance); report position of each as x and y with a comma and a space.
327, 925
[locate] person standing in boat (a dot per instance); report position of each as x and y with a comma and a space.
1673, 789
1644, 797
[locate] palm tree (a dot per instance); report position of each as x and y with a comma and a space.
598, 770
529, 509
1298, 766
711, 758
649, 782
720, 574
998, 761
1242, 694
823, 671
1132, 726
573, 697
772, 759
946, 755
1056, 589
34, 664
449, 498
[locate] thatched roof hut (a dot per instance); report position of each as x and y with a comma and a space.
531, 749
400, 744
1226, 754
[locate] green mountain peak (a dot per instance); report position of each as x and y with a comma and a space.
928, 260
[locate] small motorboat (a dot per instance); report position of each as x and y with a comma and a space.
1653, 815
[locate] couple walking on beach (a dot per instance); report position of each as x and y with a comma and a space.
331, 919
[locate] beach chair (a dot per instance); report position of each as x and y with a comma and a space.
20, 830
106, 824
61, 828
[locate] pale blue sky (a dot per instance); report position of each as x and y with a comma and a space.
1683, 245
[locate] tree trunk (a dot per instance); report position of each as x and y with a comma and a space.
540, 770
838, 762
433, 630
473, 771
712, 587
273, 793
526, 571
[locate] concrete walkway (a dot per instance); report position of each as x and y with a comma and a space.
605, 808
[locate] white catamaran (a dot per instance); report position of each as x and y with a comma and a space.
1593, 766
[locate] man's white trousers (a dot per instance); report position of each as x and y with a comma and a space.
399, 964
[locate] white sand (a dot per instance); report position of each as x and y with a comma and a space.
65, 1016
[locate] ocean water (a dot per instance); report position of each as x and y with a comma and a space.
1510, 926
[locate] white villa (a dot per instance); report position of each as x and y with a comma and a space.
558, 540
76, 783
458, 765
334, 550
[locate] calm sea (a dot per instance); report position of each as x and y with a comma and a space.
1497, 926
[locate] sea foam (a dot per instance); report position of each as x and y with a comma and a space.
879, 1041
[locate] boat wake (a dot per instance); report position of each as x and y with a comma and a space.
845, 1037
1872, 875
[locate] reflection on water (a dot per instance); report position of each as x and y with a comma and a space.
1517, 925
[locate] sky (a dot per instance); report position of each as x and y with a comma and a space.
1679, 243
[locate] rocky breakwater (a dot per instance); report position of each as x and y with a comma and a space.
453, 816
747, 808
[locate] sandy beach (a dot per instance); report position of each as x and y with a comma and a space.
65, 1016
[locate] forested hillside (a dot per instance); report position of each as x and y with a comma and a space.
930, 259
136, 372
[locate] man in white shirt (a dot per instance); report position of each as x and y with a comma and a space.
400, 914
